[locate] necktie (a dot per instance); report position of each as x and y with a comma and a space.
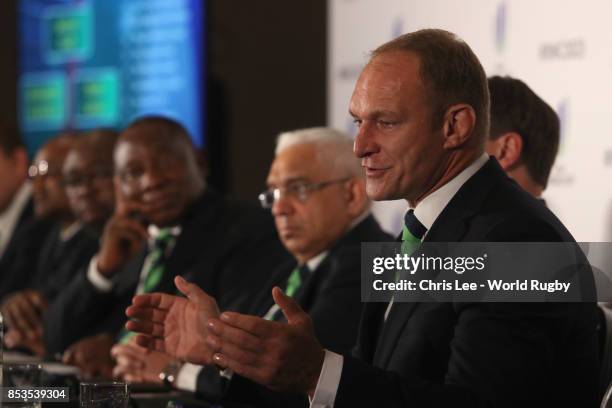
296, 279
157, 263
412, 234
155, 271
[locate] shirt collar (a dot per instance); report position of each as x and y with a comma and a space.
154, 231
313, 263
430, 208
70, 231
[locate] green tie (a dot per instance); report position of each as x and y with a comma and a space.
294, 282
297, 277
412, 233
157, 263
155, 272
409, 242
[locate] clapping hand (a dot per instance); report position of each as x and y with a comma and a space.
174, 325
281, 356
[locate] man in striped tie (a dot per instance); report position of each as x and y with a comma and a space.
316, 193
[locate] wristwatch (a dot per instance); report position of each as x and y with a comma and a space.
169, 373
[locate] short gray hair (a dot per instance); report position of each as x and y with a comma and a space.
333, 147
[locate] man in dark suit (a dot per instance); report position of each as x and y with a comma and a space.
87, 179
15, 204
317, 195
524, 136
49, 208
422, 106
166, 223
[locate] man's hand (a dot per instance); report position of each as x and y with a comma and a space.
92, 356
123, 236
285, 357
22, 313
136, 364
15, 339
172, 324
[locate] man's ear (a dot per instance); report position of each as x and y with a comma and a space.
459, 122
507, 149
356, 197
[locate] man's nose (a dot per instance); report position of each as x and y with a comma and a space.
153, 177
364, 144
282, 206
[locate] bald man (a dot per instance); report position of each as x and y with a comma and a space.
166, 223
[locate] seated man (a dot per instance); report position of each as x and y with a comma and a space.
24, 223
316, 191
87, 179
421, 104
15, 190
524, 136
51, 209
166, 223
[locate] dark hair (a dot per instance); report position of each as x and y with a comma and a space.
159, 126
450, 71
10, 140
101, 141
516, 108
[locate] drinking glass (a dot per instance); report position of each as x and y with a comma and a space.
104, 395
21, 376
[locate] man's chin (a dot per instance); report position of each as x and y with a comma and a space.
377, 192
166, 218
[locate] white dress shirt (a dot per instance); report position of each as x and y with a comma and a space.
427, 211
104, 284
10, 216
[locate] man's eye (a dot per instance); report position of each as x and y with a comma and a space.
131, 174
357, 122
386, 123
294, 188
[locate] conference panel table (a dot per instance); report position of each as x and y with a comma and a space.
57, 374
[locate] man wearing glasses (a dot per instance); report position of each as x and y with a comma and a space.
50, 211
316, 192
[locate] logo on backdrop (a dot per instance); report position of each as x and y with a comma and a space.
561, 174
397, 27
500, 26
574, 48
563, 113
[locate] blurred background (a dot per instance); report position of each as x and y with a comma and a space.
237, 73
234, 73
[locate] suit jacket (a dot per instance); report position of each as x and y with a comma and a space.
60, 261
331, 296
478, 354
19, 262
216, 250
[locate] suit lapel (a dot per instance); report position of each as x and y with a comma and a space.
450, 226
369, 328
304, 293
191, 242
